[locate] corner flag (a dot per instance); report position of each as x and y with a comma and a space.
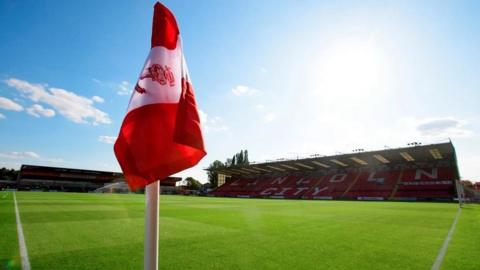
161, 133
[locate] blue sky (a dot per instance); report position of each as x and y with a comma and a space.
279, 78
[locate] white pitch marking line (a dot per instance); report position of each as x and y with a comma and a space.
438, 261
21, 239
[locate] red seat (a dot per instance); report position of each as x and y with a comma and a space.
425, 183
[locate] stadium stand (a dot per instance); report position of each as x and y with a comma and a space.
43, 178
427, 172
476, 186
472, 190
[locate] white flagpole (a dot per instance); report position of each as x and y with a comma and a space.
152, 202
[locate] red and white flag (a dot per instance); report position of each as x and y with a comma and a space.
161, 133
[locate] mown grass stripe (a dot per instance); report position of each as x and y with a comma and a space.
229, 233
441, 254
21, 238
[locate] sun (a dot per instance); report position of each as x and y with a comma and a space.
350, 68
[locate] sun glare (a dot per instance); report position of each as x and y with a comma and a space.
350, 68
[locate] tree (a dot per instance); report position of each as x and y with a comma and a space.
240, 158
229, 162
8, 174
212, 175
193, 184
245, 157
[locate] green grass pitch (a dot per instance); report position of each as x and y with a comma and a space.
105, 231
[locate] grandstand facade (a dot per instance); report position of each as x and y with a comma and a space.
43, 178
428, 172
